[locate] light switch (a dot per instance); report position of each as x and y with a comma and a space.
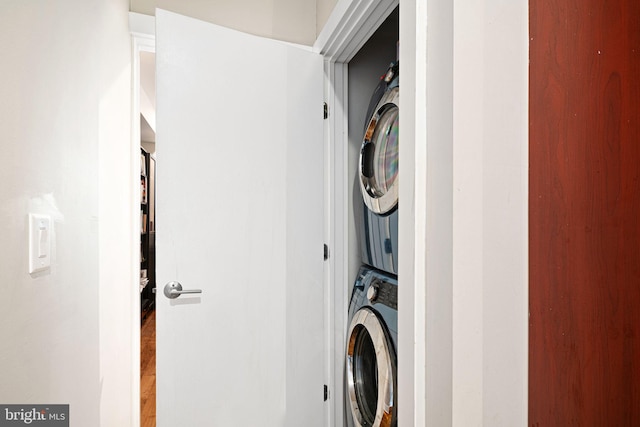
39, 242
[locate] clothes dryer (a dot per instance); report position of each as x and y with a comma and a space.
372, 338
378, 173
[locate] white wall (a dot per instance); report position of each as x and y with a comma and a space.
463, 314
289, 20
64, 99
425, 230
490, 167
115, 218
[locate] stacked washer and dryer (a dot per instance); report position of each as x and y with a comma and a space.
371, 355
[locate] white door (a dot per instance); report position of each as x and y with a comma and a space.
240, 217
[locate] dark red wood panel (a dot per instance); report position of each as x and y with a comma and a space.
584, 213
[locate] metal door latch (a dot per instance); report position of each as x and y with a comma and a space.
173, 290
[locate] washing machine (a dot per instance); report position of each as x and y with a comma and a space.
378, 176
372, 338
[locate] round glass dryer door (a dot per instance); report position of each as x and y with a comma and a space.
371, 371
379, 156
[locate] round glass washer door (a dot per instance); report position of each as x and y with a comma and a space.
371, 372
379, 156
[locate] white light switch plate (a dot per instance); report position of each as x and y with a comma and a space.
39, 242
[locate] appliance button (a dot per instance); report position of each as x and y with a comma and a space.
372, 292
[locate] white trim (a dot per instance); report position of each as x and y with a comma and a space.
349, 26
142, 41
142, 26
416, 261
338, 235
329, 350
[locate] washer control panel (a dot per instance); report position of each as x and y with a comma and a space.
382, 292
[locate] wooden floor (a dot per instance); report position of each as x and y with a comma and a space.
148, 371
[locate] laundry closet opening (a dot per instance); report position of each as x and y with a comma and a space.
370, 395
366, 69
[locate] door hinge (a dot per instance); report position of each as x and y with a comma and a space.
326, 111
326, 252
326, 393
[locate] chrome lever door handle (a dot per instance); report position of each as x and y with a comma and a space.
173, 290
